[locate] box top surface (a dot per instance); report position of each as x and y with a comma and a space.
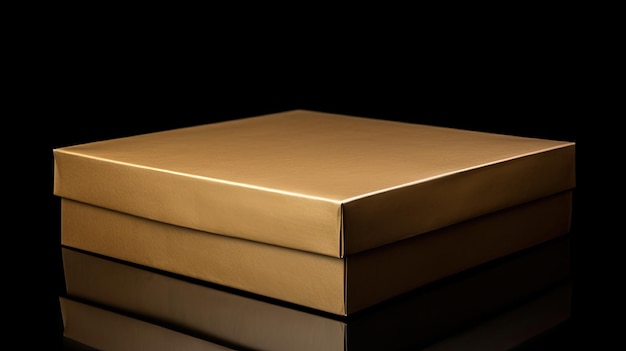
313, 154
313, 181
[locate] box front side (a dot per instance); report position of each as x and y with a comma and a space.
210, 205
303, 278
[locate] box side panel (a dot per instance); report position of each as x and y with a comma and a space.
294, 276
379, 274
206, 311
283, 219
400, 213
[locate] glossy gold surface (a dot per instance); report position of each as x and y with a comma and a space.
318, 182
340, 286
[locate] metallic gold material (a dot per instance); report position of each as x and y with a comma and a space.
340, 286
324, 183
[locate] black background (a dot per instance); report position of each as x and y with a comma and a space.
87, 82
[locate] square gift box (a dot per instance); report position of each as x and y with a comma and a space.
331, 212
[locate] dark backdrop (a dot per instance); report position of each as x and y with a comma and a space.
93, 93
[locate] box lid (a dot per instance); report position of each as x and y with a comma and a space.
320, 182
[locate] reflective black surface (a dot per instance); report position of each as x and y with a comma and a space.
559, 338
522, 300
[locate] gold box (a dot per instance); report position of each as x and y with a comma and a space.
328, 211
